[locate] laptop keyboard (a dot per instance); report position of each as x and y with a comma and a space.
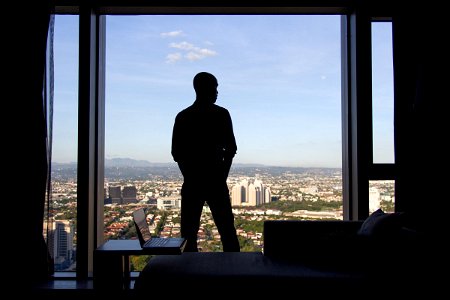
158, 242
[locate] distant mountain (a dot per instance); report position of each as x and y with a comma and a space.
134, 163
124, 162
241, 165
118, 163
133, 169
69, 165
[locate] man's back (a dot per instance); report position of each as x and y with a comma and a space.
203, 135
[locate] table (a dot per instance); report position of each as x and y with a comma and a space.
112, 263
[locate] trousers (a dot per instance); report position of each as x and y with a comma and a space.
217, 197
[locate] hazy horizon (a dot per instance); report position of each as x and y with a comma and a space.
174, 163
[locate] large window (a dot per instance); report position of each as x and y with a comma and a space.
60, 226
280, 78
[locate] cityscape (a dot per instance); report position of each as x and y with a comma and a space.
257, 193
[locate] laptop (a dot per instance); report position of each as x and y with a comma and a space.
155, 245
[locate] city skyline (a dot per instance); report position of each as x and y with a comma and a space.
279, 76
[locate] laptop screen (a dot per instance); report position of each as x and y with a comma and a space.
142, 229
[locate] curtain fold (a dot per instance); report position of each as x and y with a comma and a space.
30, 133
48, 103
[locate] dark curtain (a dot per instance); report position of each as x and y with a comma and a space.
31, 261
421, 116
421, 143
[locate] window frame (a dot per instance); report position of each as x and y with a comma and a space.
357, 151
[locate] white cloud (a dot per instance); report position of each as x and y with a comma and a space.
193, 52
206, 52
172, 33
183, 46
193, 56
199, 54
173, 57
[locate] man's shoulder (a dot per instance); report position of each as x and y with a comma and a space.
193, 109
220, 109
184, 111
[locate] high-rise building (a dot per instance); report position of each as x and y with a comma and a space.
60, 241
251, 192
238, 195
267, 195
129, 194
115, 194
247, 193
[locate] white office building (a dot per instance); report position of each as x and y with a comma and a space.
60, 243
168, 203
247, 193
374, 199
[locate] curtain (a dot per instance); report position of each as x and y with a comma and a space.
31, 262
421, 137
421, 129
48, 103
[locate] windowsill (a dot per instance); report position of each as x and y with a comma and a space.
65, 275
73, 275
68, 281
67, 284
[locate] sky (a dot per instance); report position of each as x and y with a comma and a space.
279, 77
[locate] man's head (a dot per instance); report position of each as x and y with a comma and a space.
205, 86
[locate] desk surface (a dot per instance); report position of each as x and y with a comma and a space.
124, 247
132, 247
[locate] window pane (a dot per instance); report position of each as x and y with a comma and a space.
382, 195
280, 78
61, 228
382, 93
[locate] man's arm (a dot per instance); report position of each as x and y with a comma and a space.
227, 161
230, 146
176, 151
182, 167
176, 136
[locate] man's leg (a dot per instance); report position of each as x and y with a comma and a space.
223, 217
191, 210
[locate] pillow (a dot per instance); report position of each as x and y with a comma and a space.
381, 224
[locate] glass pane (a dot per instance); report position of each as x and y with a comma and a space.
382, 93
280, 79
61, 228
382, 195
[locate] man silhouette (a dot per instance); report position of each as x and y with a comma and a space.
203, 145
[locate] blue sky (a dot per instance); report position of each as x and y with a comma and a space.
279, 76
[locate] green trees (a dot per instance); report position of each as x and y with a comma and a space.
247, 245
161, 223
248, 225
387, 206
291, 206
137, 263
